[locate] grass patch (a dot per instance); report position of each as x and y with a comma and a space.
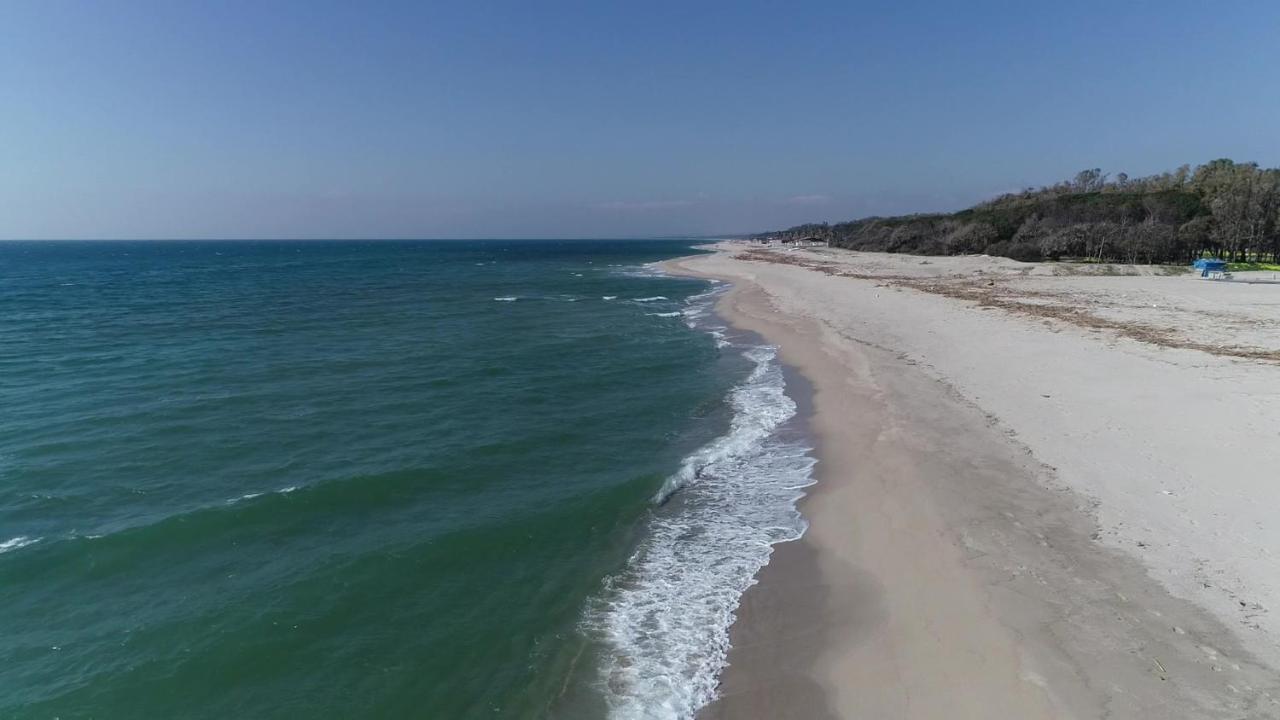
1244, 266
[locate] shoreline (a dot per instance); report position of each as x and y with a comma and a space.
947, 572
774, 640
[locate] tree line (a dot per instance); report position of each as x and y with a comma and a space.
1223, 209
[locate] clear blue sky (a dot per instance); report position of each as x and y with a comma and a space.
544, 119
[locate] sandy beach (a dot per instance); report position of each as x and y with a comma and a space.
1045, 491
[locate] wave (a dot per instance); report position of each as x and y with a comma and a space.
609, 297
274, 508
760, 405
699, 313
548, 298
18, 542
665, 314
253, 495
655, 298
664, 621
191, 517
700, 308
648, 270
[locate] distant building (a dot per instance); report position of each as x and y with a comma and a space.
811, 241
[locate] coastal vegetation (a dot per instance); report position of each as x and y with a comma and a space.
1222, 209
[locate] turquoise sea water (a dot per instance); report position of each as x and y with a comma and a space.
376, 480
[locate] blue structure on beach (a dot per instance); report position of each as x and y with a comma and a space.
1208, 266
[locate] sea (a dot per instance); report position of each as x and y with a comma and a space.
378, 479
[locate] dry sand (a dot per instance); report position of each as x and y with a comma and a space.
1040, 494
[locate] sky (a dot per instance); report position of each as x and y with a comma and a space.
278, 119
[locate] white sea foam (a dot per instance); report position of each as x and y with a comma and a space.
506, 299
665, 314
665, 619
647, 270
700, 309
699, 313
655, 298
609, 297
246, 496
253, 495
17, 542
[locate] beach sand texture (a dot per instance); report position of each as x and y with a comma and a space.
1044, 491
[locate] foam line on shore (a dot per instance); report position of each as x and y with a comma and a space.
664, 621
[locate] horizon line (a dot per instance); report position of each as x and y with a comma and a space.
382, 239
